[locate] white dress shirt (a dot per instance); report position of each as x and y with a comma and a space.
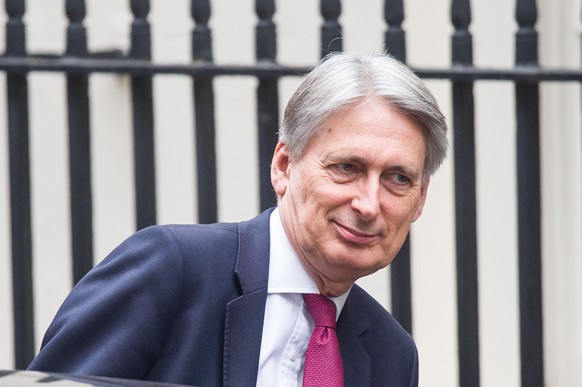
287, 325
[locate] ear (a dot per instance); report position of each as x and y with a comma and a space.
280, 169
423, 191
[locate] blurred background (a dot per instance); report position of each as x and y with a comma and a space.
428, 27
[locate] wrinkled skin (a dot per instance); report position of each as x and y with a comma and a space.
347, 202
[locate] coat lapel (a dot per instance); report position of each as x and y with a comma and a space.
245, 315
357, 362
242, 339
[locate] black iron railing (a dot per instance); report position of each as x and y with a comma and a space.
78, 64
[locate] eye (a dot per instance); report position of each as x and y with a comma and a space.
399, 179
343, 172
345, 167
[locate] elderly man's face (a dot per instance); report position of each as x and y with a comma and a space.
348, 201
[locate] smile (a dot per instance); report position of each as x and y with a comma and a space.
354, 236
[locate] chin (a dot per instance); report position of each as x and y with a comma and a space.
359, 267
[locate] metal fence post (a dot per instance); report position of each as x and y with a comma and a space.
267, 99
331, 30
466, 200
529, 200
20, 197
143, 119
204, 116
79, 145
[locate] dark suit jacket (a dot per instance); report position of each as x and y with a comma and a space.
185, 304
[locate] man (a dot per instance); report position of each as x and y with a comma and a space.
223, 304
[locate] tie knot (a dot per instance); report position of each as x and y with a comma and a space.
321, 309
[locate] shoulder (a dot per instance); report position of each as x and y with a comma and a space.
188, 250
200, 237
381, 324
184, 233
167, 241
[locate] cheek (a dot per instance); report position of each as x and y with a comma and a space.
404, 206
399, 213
308, 204
316, 192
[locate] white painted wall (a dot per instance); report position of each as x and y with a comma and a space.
428, 30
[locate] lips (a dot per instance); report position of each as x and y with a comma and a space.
355, 236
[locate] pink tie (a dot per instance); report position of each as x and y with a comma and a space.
323, 360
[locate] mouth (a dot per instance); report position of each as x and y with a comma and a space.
354, 236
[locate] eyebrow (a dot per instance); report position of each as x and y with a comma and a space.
351, 159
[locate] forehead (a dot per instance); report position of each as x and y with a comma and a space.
372, 130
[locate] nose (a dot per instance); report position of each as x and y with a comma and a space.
367, 199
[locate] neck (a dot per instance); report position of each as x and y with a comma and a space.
328, 287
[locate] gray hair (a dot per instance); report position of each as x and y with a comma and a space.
343, 81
